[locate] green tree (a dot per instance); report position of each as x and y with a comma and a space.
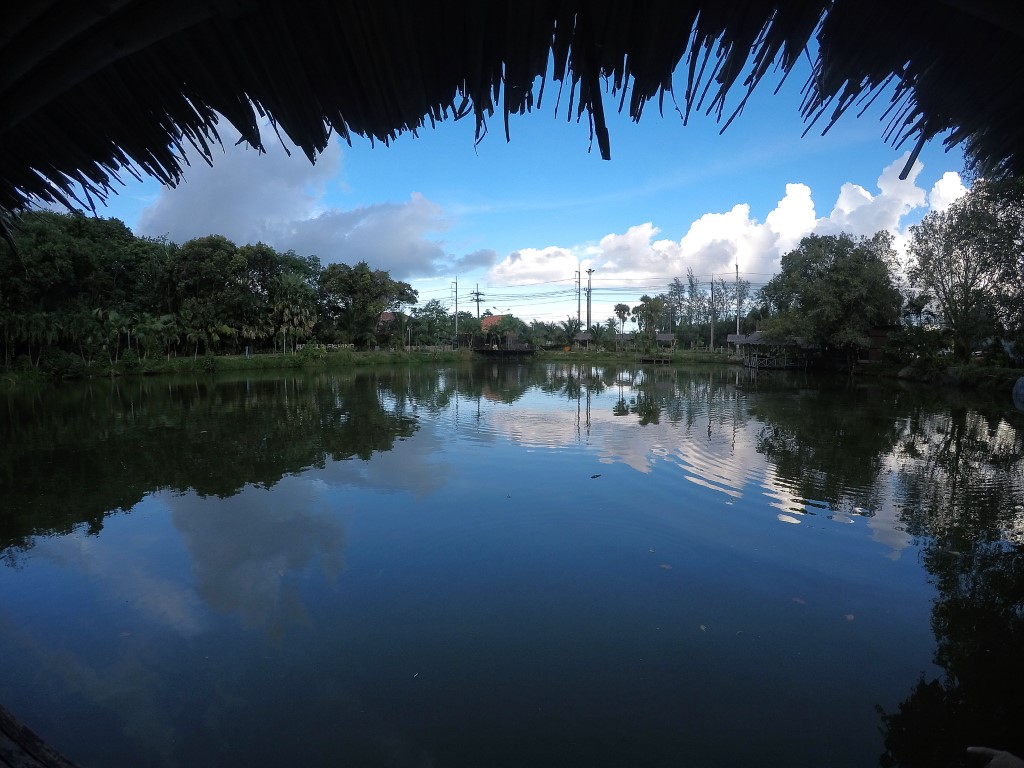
649, 315
949, 261
541, 333
600, 336
622, 311
698, 303
294, 303
832, 290
970, 257
509, 329
569, 328
431, 323
675, 302
354, 298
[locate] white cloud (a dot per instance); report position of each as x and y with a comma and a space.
945, 191
858, 212
529, 265
279, 199
792, 218
390, 236
716, 242
245, 196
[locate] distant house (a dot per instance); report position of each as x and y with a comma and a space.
759, 352
665, 340
623, 340
391, 318
487, 322
878, 337
583, 339
492, 339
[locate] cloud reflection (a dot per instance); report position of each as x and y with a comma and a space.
244, 547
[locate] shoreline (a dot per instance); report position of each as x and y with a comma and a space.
987, 379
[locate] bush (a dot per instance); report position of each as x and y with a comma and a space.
313, 352
129, 361
60, 364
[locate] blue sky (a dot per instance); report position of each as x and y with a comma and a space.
516, 220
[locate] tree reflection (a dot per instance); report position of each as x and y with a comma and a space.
77, 454
830, 444
960, 486
978, 620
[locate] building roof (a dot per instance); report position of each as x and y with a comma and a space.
93, 91
756, 339
489, 321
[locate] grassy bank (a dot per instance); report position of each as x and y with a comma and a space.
70, 367
938, 373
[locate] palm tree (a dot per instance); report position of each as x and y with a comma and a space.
599, 334
294, 307
570, 327
621, 312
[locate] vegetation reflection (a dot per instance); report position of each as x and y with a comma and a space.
107, 445
951, 471
960, 489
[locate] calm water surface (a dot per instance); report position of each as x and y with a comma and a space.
505, 565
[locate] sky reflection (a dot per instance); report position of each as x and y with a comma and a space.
534, 565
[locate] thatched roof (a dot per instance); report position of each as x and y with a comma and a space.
93, 90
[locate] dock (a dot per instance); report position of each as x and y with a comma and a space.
20, 747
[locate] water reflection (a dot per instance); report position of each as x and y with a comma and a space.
243, 548
839, 450
959, 479
460, 508
106, 445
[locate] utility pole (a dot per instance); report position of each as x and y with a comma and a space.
737, 298
712, 312
455, 287
589, 273
477, 297
579, 297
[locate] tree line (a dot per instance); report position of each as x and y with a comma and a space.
958, 292
87, 288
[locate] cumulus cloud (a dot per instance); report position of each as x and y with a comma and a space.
528, 265
279, 200
792, 218
391, 236
945, 191
246, 196
858, 212
716, 242
282, 200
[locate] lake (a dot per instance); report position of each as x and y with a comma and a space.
512, 565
